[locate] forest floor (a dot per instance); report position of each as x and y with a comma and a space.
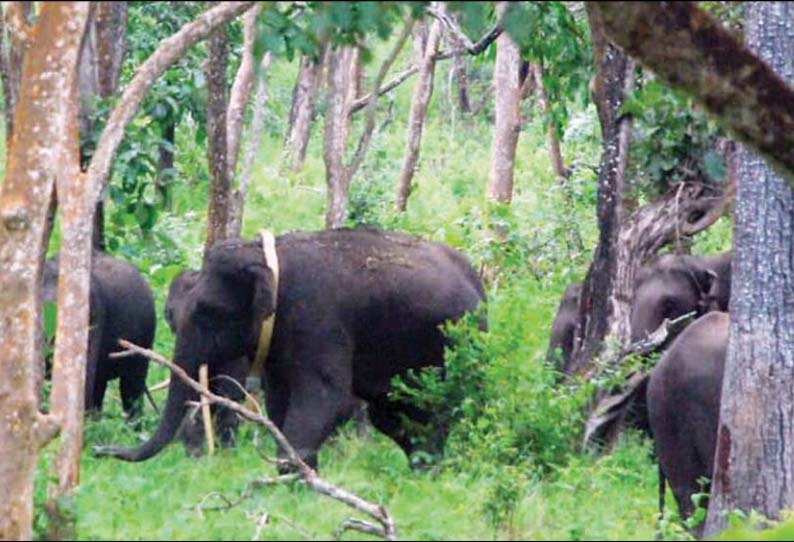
548, 489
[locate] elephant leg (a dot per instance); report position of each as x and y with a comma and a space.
389, 418
276, 388
320, 399
133, 386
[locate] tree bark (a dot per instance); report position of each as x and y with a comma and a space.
607, 291
336, 128
240, 93
755, 443
16, 17
507, 97
45, 128
421, 99
461, 77
552, 141
217, 148
692, 51
111, 44
302, 110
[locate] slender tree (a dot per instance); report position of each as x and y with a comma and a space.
426, 48
302, 111
755, 443
217, 147
336, 127
507, 97
552, 141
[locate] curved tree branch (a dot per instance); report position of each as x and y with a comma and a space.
692, 51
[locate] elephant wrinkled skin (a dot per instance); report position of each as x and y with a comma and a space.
354, 308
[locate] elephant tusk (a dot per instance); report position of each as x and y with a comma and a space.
205, 410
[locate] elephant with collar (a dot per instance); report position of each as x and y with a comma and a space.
352, 309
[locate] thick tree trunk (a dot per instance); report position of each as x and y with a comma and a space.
217, 148
421, 99
336, 128
45, 129
753, 469
552, 141
608, 287
302, 110
111, 44
507, 96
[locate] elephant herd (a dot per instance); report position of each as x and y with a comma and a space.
684, 388
353, 308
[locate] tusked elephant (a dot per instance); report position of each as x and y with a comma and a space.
684, 404
353, 309
121, 306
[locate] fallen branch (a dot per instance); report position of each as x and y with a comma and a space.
308, 476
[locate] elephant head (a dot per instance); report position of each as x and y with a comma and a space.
671, 287
180, 287
217, 318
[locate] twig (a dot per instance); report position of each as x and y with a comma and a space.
260, 525
452, 27
400, 78
307, 475
353, 524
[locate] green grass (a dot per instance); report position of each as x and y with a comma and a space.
556, 491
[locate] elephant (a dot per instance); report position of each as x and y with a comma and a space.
683, 399
353, 309
674, 285
563, 328
667, 287
121, 305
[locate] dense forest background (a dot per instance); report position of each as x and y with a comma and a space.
513, 467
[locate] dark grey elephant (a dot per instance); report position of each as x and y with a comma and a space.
121, 307
674, 285
683, 406
669, 286
354, 308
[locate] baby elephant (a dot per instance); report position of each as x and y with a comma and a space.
121, 307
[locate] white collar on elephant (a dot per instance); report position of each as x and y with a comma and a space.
266, 332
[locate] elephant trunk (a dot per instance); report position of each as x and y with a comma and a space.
179, 394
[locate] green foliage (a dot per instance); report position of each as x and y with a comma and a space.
673, 139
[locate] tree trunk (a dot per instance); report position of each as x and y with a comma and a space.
45, 128
302, 110
252, 146
552, 141
111, 44
336, 128
507, 96
217, 148
607, 291
421, 99
752, 467
241, 90
16, 17
459, 72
